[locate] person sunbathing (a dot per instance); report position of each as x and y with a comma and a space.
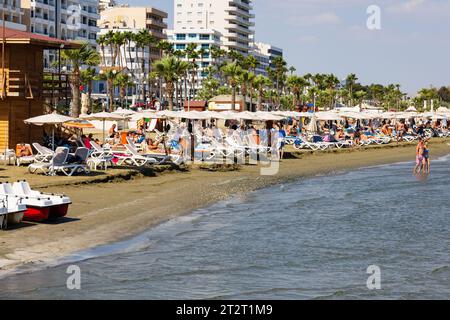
24, 150
152, 145
386, 130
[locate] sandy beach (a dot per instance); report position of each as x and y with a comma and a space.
104, 212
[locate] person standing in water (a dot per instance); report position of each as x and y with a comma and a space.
420, 160
426, 156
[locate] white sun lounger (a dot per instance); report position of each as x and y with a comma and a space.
59, 157
159, 157
100, 157
70, 168
132, 157
44, 154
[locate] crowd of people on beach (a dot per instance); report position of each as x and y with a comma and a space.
212, 138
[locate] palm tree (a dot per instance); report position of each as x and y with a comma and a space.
260, 83
123, 82
292, 70
170, 69
86, 55
331, 82
232, 72
87, 78
165, 47
192, 53
102, 41
245, 80
251, 63
129, 38
297, 85
109, 75
149, 41
279, 76
118, 41
350, 83
109, 41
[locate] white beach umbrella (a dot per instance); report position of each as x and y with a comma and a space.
103, 116
246, 115
124, 112
51, 119
145, 115
190, 115
269, 116
327, 116
388, 115
227, 115
358, 115
168, 114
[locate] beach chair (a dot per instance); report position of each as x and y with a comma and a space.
99, 157
302, 143
224, 150
59, 157
44, 154
254, 146
158, 156
238, 149
132, 157
70, 168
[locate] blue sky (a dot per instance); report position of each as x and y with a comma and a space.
330, 36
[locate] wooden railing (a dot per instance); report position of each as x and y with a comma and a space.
27, 85
56, 86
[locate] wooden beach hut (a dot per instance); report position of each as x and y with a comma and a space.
23, 87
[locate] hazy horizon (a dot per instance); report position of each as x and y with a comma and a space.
330, 36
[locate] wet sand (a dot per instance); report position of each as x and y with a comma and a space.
106, 212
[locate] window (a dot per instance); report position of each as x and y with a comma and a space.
181, 36
204, 37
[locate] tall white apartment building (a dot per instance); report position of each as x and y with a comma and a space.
232, 18
268, 50
63, 19
13, 13
204, 39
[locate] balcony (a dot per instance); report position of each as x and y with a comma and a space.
233, 10
240, 29
157, 23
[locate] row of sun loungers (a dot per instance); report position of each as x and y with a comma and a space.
51, 162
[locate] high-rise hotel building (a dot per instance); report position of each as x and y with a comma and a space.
14, 15
232, 18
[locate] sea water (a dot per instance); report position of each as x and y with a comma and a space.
310, 239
